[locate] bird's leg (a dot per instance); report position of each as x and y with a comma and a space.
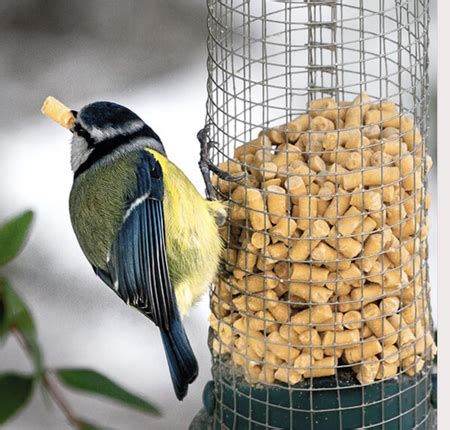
207, 166
205, 161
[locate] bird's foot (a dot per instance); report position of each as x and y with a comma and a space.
207, 166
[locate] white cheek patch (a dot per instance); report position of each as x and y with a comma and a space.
80, 152
129, 127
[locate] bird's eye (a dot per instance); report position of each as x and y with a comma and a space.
80, 131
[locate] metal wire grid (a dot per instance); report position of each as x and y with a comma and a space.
267, 61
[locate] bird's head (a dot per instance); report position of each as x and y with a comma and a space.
101, 131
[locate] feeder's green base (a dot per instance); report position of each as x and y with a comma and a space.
400, 403
202, 421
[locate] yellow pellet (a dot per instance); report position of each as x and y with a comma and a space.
301, 248
405, 335
387, 370
390, 355
250, 148
283, 231
366, 200
256, 203
311, 343
295, 187
344, 339
320, 123
352, 219
412, 365
246, 260
303, 320
306, 273
304, 362
286, 154
332, 324
389, 305
288, 376
379, 325
327, 247
352, 320
276, 202
278, 346
324, 367
371, 176
310, 293
337, 208
368, 371
326, 107
260, 240
307, 211
356, 112
347, 246
365, 350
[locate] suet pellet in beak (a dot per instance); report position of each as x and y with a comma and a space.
58, 112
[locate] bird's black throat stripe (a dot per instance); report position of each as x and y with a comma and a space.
107, 146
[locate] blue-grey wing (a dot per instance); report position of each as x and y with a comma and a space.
139, 273
137, 265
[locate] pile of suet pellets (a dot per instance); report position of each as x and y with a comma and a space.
325, 258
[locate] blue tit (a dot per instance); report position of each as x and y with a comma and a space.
142, 225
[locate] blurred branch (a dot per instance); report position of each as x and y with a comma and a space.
50, 385
16, 319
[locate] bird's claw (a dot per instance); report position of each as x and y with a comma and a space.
207, 166
222, 174
210, 190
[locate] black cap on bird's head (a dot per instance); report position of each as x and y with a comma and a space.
103, 128
104, 115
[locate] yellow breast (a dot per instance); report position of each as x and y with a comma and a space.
192, 238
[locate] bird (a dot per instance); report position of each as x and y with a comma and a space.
142, 225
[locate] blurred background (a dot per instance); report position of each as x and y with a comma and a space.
151, 57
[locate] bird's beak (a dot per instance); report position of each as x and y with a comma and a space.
59, 112
75, 114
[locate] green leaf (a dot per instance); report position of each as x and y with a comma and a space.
16, 315
16, 312
84, 425
13, 235
96, 383
15, 390
3, 324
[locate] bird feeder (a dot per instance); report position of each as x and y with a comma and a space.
320, 315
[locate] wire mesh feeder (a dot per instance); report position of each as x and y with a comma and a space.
320, 316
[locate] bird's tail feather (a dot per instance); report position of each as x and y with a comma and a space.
183, 365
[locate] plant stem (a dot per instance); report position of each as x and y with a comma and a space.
60, 400
51, 386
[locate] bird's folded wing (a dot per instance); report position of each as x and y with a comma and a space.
138, 262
